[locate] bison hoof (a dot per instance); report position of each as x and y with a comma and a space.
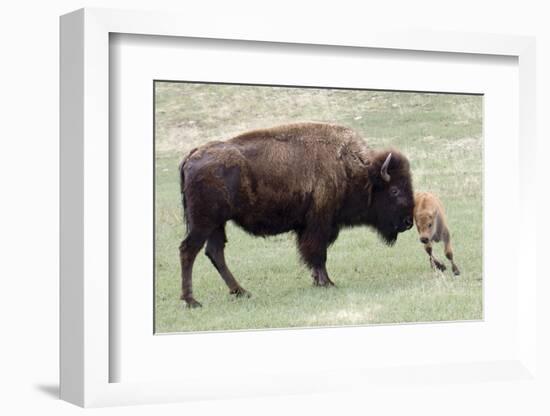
191, 302
240, 293
323, 283
320, 278
456, 272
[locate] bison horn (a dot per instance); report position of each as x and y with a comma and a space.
384, 170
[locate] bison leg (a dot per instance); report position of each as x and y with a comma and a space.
313, 249
434, 263
449, 253
189, 249
320, 277
215, 252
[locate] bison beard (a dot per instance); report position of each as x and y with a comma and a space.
310, 178
388, 236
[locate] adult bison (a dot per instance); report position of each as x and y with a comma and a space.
310, 178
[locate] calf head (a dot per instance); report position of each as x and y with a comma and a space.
425, 220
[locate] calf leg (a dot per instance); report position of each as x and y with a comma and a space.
215, 252
189, 248
449, 254
434, 263
313, 249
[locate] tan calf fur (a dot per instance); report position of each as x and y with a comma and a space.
429, 216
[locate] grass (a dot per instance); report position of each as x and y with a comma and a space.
442, 136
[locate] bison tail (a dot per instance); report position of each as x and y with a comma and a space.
182, 191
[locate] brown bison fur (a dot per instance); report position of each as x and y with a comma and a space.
431, 223
309, 178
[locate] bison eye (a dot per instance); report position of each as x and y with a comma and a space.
394, 191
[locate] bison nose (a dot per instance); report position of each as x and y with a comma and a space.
424, 240
408, 222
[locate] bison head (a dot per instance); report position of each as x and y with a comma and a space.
391, 194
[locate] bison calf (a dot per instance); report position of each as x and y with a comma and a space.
431, 224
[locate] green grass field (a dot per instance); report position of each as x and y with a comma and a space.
442, 136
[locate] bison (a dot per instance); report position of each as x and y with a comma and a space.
309, 178
431, 224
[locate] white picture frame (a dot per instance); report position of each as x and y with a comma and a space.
85, 221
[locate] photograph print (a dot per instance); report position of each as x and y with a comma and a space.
296, 207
